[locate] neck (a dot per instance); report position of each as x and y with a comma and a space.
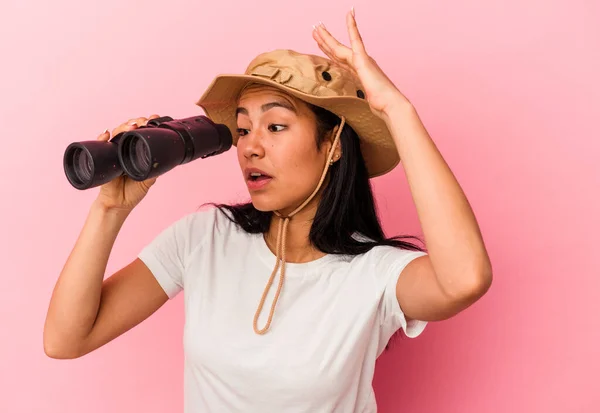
298, 248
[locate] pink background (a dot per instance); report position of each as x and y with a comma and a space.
509, 91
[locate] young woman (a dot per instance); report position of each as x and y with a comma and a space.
289, 299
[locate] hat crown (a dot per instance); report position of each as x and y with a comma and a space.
311, 74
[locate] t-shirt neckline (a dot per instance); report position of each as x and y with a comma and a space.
270, 259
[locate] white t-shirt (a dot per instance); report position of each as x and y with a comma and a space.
333, 318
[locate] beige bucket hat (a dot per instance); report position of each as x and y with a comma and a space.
316, 80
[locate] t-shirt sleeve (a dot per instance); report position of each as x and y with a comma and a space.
389, 267
166, 255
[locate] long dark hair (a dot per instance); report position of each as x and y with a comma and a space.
346, 206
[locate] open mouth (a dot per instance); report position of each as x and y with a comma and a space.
257, 177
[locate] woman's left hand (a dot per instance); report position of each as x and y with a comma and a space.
380, 91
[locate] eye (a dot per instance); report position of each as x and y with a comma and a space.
242, 132
274, 128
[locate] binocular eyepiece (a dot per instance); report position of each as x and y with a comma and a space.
145, 152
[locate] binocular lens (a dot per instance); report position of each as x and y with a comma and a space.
136, 156
80, 170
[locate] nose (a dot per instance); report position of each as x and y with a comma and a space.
252, 145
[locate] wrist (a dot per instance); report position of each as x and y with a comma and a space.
398, 105
101, 209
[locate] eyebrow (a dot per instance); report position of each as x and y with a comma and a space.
267, 106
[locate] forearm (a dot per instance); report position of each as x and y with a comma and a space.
76, 297
452, 235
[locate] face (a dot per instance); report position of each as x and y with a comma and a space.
277, 138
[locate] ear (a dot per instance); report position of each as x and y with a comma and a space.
338, 150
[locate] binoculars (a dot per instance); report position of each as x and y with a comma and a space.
145, 152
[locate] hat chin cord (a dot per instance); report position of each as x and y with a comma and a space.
281, 237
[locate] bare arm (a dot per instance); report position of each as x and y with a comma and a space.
85, 311
457, 271
128, 297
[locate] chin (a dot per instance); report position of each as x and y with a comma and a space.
263, 203
269, 202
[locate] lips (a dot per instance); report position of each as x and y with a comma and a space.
256, 178
255, 174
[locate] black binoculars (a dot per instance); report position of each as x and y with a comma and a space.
145, 152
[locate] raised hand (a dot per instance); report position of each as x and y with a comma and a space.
380, 91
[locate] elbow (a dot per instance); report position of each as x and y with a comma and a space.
482, 284
477, 285
472, 286
58, 353
55, 350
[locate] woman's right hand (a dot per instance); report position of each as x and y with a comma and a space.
123, 193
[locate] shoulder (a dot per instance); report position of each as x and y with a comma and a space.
195, 228
386, 255
389, 254
204, 222
385, 263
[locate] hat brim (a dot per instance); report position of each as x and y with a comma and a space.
377, 145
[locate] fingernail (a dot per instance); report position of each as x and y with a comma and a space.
321, 24
352, 11
134, 124
314, 27
105, 131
